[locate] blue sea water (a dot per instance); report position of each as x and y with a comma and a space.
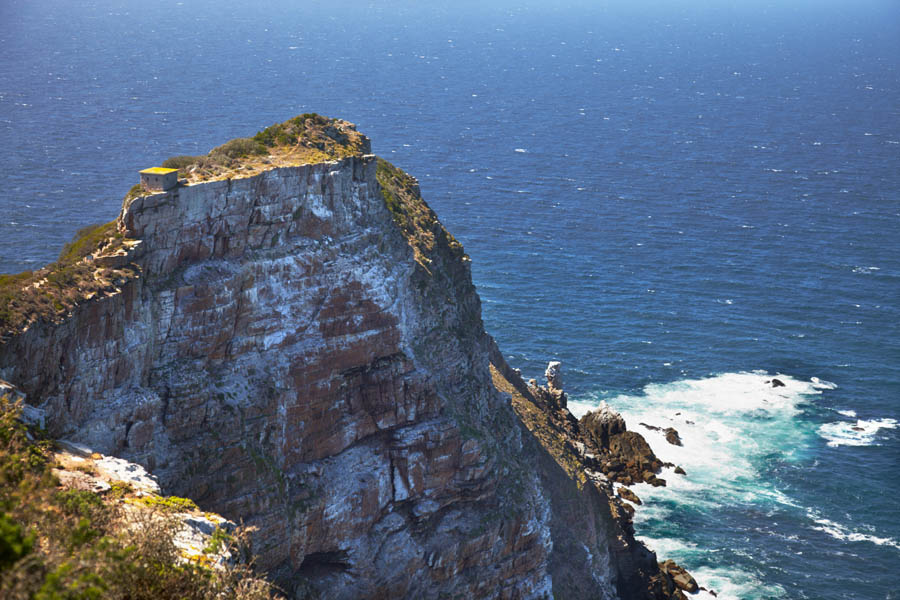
680, 200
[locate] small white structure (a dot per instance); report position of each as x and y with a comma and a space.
158, 178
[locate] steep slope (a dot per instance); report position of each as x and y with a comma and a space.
300, 347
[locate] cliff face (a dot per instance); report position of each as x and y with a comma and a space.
302, 350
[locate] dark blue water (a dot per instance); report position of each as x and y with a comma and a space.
677, 199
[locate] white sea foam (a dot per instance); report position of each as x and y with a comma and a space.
846, 534
521, 150
859, 433
726, 422
848, 413
731, 585
821, 384
730, 424
727, 583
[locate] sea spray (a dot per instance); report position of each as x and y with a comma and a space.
732, 426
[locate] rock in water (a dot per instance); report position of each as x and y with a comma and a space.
680, 577
672, 436
777, 383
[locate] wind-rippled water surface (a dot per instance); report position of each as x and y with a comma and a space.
679, 200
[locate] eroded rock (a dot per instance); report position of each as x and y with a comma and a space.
672, 436
627, 494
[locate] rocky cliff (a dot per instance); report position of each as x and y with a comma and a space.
299, 347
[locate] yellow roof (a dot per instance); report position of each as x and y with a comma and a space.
157, 171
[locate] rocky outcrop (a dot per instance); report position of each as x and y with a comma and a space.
597, 452
601, 425
301, 349
623, 456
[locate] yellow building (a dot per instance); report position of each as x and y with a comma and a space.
158, 178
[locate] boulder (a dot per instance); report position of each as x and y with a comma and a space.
672, 436
632, 448
601, 424
627, 494
679, 471
777, 383
680, 577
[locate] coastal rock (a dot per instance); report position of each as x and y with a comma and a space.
777, 383
670, 433
553, 373
634, 450
601, 424
552, 394
680, 577
627, 494
301, 350
672, 436
679, 471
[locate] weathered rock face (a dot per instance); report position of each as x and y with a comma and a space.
602, 424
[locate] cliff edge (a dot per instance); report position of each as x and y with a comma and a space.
291, 339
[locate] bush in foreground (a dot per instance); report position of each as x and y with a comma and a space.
66, 544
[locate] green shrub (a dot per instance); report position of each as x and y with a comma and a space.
88, 240
135, 191
80, 503
120, 489
181, 162
239, 147
64, 584
218, 541
72, 545
14, 544
169, 503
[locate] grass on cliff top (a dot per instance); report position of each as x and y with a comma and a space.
68, 544
412, 215
306, 138
50, 292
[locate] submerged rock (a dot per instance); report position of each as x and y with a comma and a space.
670, 432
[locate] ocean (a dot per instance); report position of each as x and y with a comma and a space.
678, 200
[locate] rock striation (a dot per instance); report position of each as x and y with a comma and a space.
301, 349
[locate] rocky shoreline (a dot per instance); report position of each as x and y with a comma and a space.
611, 458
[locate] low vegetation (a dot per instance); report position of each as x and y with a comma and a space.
50, 292
303, 139
67, 544
172, 504
412, 215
